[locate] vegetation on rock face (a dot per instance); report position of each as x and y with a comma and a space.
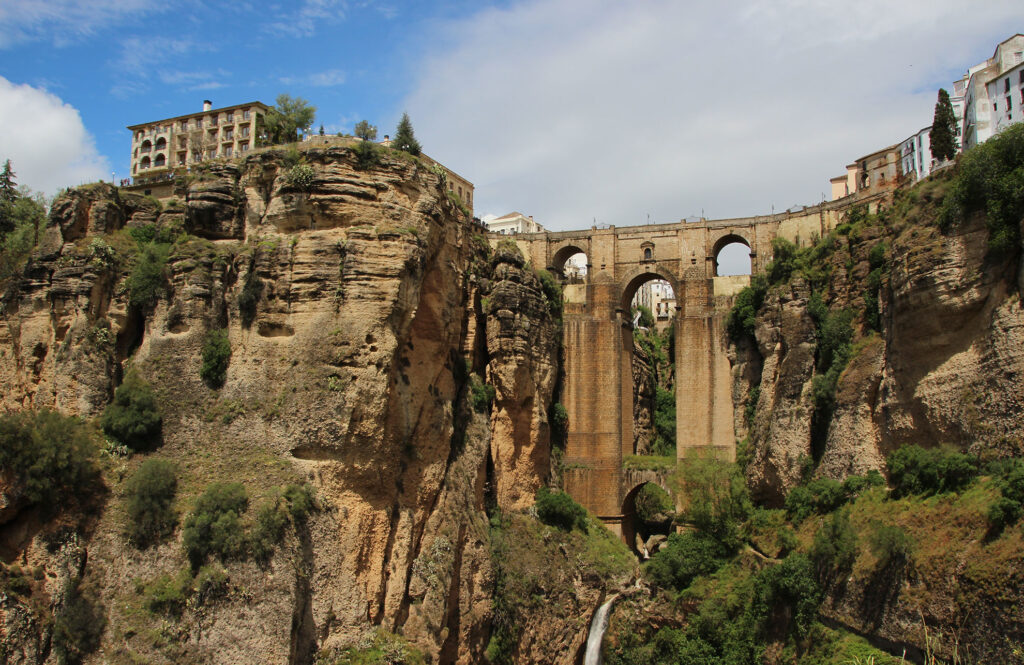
481, 394
46, 454
146, 280
78, 625
216, 358
558, 509
21, 217
378, 648
149, 499
133, 418
249, 297
990, 179
916, 470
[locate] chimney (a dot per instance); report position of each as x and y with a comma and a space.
387, 138
207, 105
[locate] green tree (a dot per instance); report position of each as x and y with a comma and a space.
149, 497
287, 118
216, 358
366, 131
8, 194
133, 418
405, 139
943, 133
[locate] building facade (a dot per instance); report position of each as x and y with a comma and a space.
512, 223
877, 172
162, 147
916, 155
989, 102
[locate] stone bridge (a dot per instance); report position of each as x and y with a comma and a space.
598, 384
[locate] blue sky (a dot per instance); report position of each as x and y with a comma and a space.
574, 111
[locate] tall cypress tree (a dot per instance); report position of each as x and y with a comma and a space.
405, 139
943, 133
8, 189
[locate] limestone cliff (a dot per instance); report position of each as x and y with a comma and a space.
352, 297
945, 367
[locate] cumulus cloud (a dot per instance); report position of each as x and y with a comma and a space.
324, 79
63, 21
576, 111
45, 140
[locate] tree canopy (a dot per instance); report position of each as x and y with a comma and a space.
405, 138
366, 131
287, 118
943, 133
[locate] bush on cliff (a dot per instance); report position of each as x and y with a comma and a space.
990, 178
133, 418
743, 314
1009, 506
214, 526
916, 470
149, 497
683, 558
216, 357
146, 280
718, 498
559, 510
46, 454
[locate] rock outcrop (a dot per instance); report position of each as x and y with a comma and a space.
351, 358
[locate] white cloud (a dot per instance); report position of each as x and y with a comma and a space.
303, 21
572, 110
63, 21
324, 79
45, 140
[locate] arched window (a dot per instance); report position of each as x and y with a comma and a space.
159, 161
147, 146
144, 163
648, 254
161, 143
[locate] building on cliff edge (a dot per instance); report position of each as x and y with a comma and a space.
993, 93
162, 148
513, 223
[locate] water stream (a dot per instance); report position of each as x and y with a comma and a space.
597, 627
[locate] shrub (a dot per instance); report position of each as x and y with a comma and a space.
683, 558
1009, 507
891, 546
821, 495
835, 546
991, 178
211, 582
367, 154
552, 291
147, 276
482, 394
216, 357
78, 624
559, 421
213, 527
717, 496
743, 314
664, 422
653, 504
784, 255
47, 454
793, 584
300, 176
133, 417
271, 521
559, 510
916, 470
168, 594
149, 495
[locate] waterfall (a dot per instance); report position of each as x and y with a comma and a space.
597, 627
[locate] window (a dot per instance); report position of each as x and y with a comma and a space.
197, 156
243, 146
1006, 86
648, 254
213, 120
159, 161
199, 123
228, 134
211, 153
213, 134
181, 142
184, 125
181, 159
244, 131
230, 117
245, 114
1009, 104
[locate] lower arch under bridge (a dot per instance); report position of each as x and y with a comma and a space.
597, 335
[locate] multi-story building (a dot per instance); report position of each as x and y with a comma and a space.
988, 100
512, 223
162, 147
916, 155
876, 172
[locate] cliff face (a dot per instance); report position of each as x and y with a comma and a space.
945, 368
350, 372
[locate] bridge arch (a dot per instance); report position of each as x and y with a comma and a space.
632, 524
634, 279
724, 242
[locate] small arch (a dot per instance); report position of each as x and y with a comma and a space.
638, 277
732, 256
161, 143
160, 160
634, 524
146, 146
571, 263
144, 164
